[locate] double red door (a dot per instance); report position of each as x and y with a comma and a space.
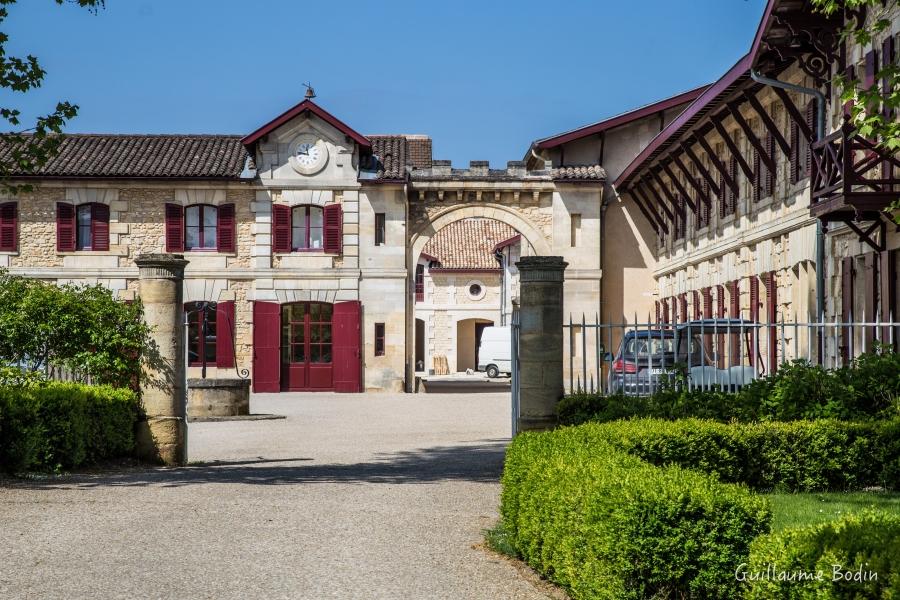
306, 346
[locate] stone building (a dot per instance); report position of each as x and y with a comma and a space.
305, 233
754, 218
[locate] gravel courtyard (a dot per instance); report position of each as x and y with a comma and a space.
351, 496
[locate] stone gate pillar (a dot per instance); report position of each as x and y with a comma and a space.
540, 340
163, 437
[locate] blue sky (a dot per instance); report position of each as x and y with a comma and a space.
483, 79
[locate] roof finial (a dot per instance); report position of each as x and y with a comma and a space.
310, 93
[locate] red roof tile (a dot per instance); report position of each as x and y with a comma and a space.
469, 244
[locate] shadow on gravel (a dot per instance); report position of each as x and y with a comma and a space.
479, 462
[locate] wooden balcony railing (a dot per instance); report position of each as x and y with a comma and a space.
852, 174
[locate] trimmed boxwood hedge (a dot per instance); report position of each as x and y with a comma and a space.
799, 563
800, 456
653, 508
64, 425
605, 524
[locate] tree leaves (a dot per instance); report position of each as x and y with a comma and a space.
32, 147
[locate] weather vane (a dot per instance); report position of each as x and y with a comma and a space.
310, 92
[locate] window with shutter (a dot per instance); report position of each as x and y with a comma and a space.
201, 347
65, 227
225, 229
757, 176
201, 227
795, 152
769, 185
871, 68
100, 227
281, 228
307, 228
174, 228
9, 226
811, 123
333, 228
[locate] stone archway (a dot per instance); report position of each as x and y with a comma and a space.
531, 234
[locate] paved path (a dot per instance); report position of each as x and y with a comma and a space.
352, 496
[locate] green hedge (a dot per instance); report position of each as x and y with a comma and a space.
64, 425
797, 456
606, 524
867, 389
860, 544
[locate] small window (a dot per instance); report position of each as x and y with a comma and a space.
200, 227
475, 290
379, 339
379, 229
307, 228
198, 346
83, 235
576, 230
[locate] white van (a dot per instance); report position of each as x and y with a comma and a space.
494, 351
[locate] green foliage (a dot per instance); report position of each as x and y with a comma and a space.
30, 149
64, 425
797, 456
605, 524
869, 542
82, 328
868, 388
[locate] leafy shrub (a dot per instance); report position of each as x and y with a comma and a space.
64, 425
15, 376
606, 524
797, 456
869, 542
82, 328
867, 389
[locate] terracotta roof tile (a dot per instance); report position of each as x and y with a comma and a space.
468, 244
580, 172
93, 155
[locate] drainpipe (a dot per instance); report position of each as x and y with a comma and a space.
820, 134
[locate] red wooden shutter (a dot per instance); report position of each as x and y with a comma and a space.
345, 326
174, 228
757, 176
846, 304
707, 303
9, 217
225, 328
754, 298
733, 195
99, 226
266, 347
695, 300
225, 228
665, 310
65, 227
281, 228
871, 68
656, 305
887, 58
683, 307
334, 220
770, 173
887, 296
810, 121
735, 291
795, 152
772, 317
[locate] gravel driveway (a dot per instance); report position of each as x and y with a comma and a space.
351, 496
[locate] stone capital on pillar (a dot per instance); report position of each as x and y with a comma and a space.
540, 340
163, 436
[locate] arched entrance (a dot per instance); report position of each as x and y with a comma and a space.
461, 326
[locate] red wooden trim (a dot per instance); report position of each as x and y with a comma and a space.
689, 115
718, 164
772, 317
649, 192
347, 340
174, 228
225, 228
714, 185
619, 120
684, 193
735, 111
769, 124
796, 118
9, 226
65, 227
333, 222
307, 105
281, 228
225, 327
689, 177
266, 347
99, 226
733, 149
499, 246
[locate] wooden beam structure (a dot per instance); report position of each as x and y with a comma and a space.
713, 184
732, 147
722, 169
681, 188
768, 123
701, 193
652, 195
751, 137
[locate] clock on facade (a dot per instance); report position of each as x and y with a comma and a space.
309, 156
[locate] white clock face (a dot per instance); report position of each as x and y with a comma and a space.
308, 154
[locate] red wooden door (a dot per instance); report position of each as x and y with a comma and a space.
306, 345
347, 339
266, 346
